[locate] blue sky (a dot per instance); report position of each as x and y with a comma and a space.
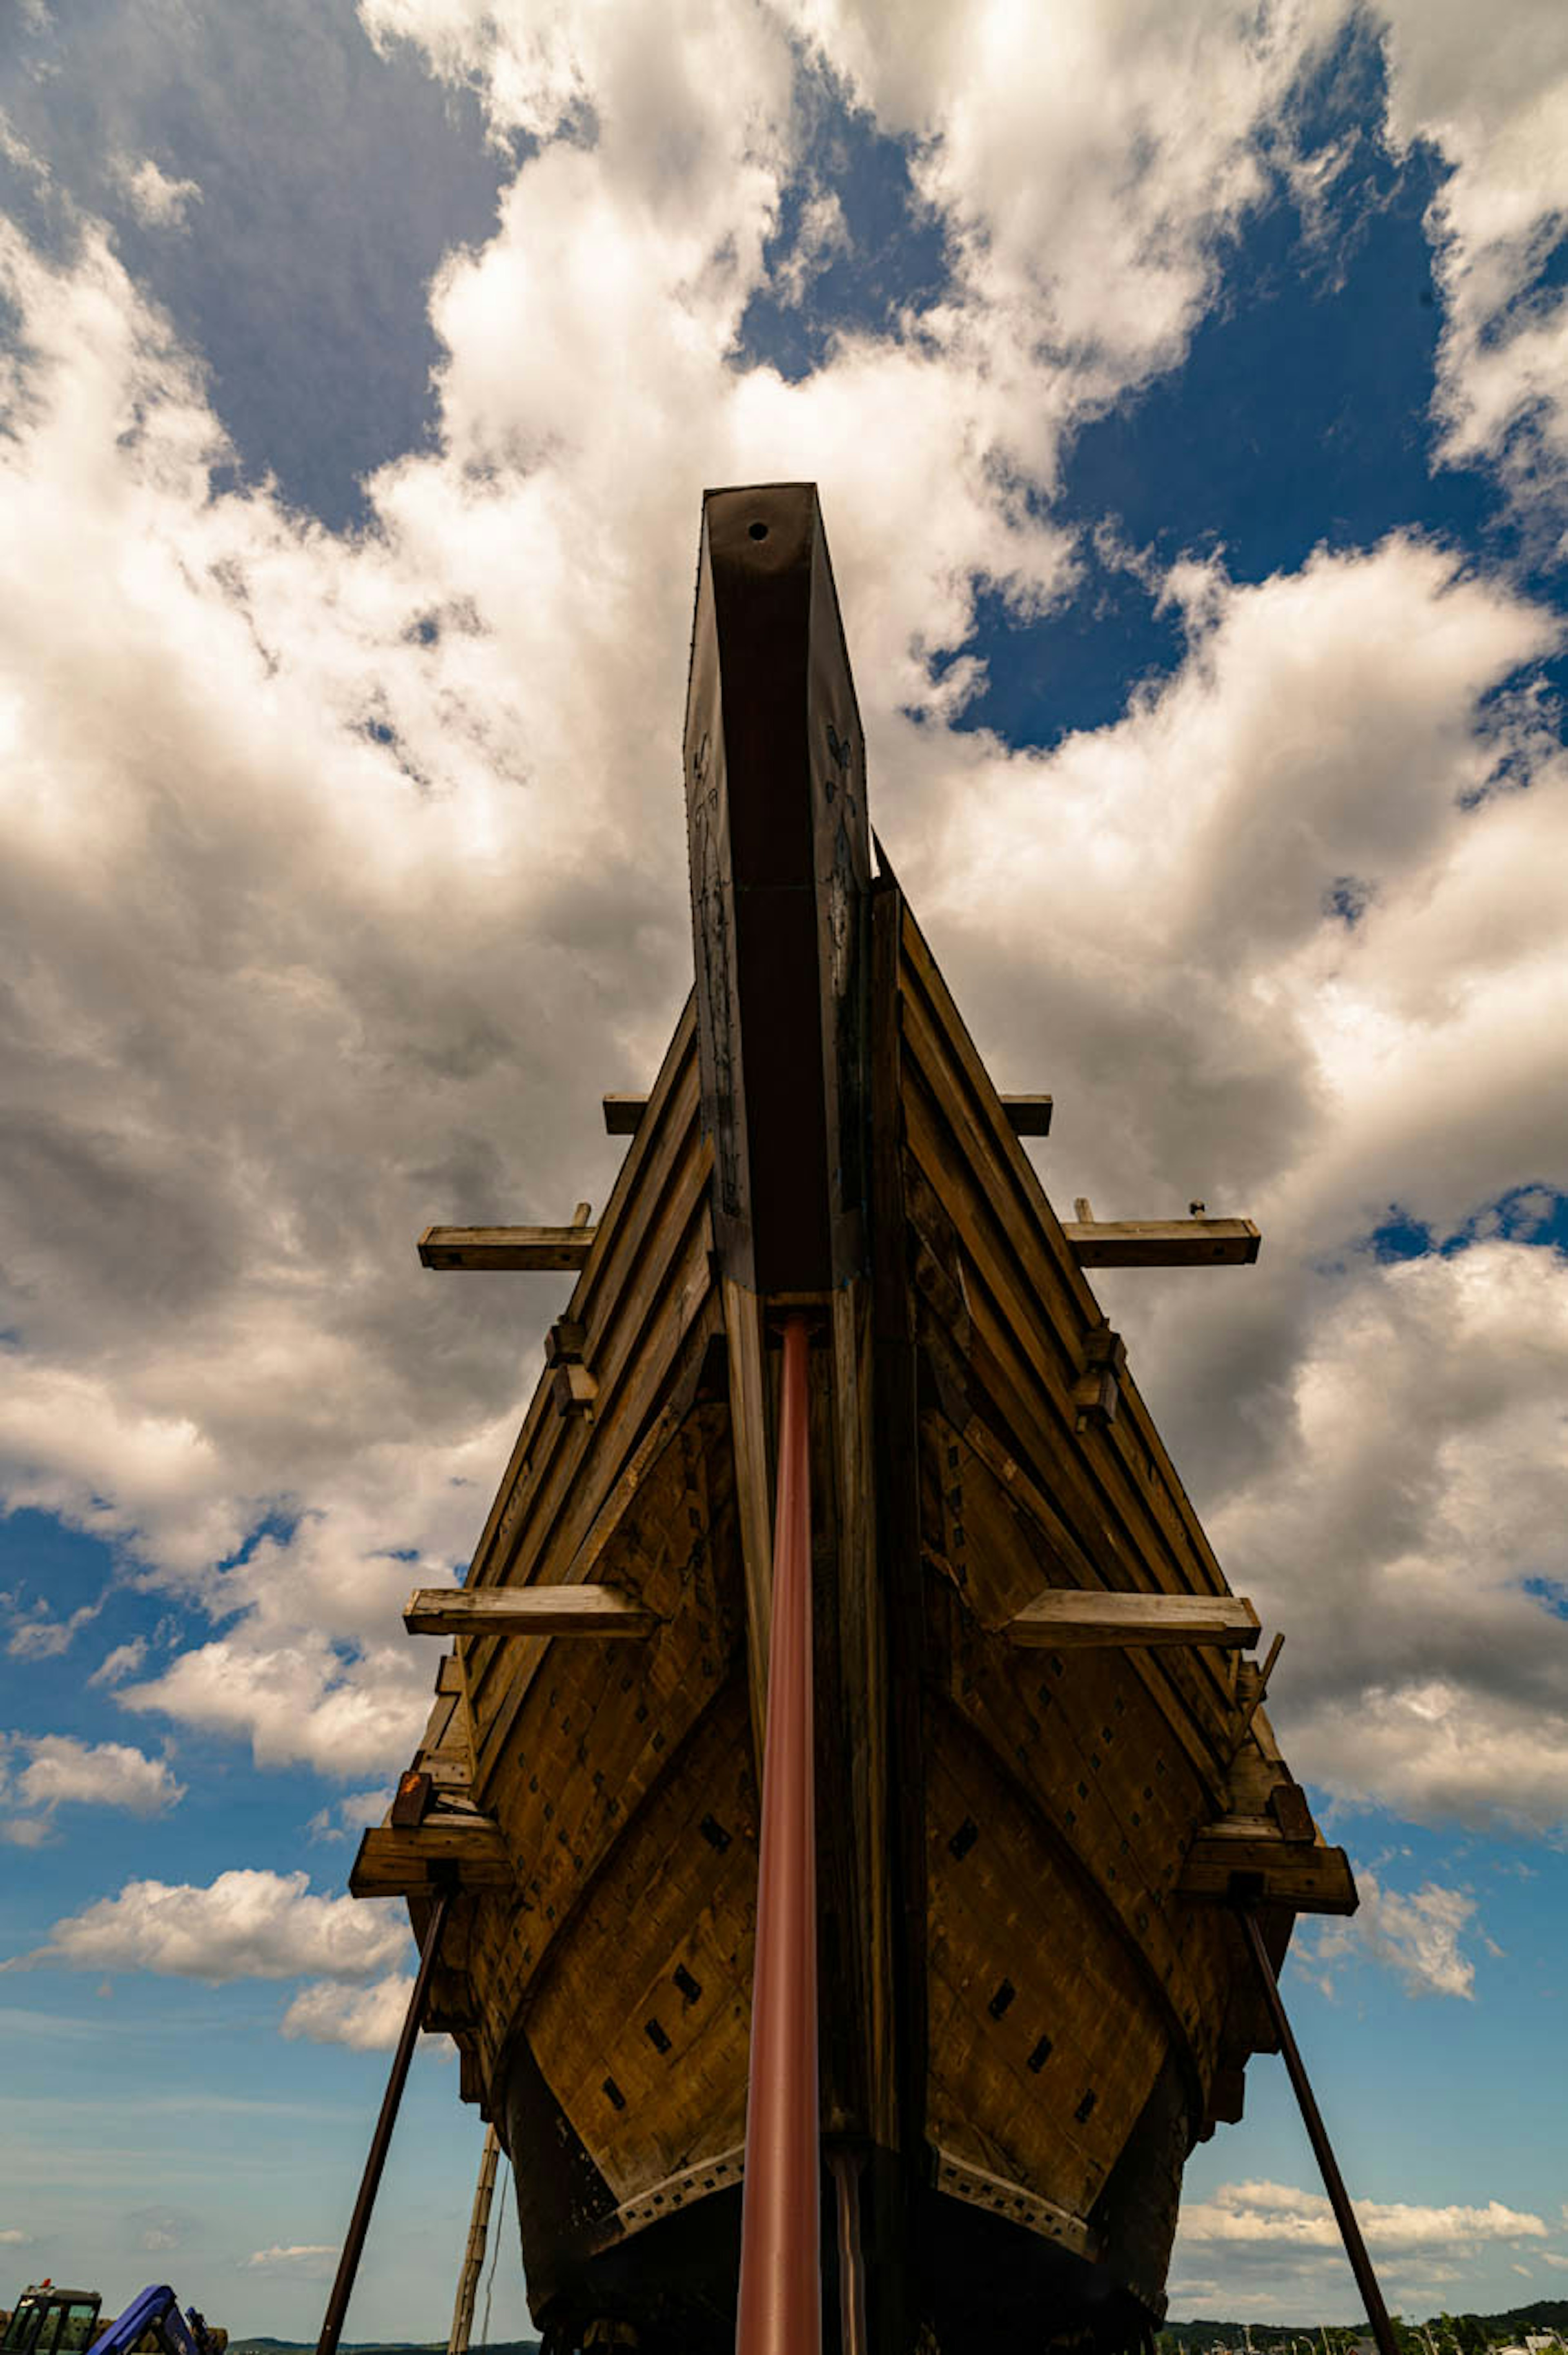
1185, 389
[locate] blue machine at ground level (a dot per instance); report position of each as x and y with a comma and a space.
152, 2325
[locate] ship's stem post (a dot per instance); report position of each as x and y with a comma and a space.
1317, 2135
380, 2141
780, 2309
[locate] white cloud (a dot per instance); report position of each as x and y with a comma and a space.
1375, 1448
157, 201
40, 1635
349, 1816
121, 1662
1491, 94
1417, 1935
243, 1924
342, 880
1277, 2216
26, 1831
305, 2261
62, 1771
368, 2020
12, 2238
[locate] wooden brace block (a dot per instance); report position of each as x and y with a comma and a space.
574, 1388
565, 1342
1071, 1617
536, 1248
1287, 1804
411, 1802
1163, 1242
1028, 1116
397, 1863
527, 1611
624, 1114
1246, 1858
1097, 1392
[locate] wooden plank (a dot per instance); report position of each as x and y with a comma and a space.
1241, 1859
527, 1248
1028, 1116
653, 1349
1065, 1615
553, 1489
1163, 1242
603, 1611
623, 1114
392, 1863
1053, 1273
895, 1438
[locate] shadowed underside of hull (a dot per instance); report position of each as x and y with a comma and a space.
1030, 2003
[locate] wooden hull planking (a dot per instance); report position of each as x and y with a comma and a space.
1028, 2014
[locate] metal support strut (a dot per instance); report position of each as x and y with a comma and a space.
1317, 2135
380, 2141
780, 2310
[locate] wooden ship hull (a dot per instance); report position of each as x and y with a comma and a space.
1041, 1769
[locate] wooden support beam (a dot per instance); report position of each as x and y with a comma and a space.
507, 1247
1162, 1242
1246, 1858
527, 1611
395, 1862
1071, 1617
1028, 1116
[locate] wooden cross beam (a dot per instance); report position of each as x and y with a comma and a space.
1248, 1856
393, 1861
1027, 1115
1071, 1617
527, 1611
1163, 1242
490, 1248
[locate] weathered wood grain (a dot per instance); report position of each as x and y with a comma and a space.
1273, 1870
602, 1612
392, 1862
1163, 1242
1064, 1617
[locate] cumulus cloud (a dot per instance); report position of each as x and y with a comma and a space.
1278, 2218
1416, 1935
244, 1924
1492, 98
368, 2020
62, 1771
349, 870
349, 1816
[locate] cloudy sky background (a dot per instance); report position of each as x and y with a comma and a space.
1188, 388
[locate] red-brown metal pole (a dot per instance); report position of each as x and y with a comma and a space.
1317, 2135
781, 2270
